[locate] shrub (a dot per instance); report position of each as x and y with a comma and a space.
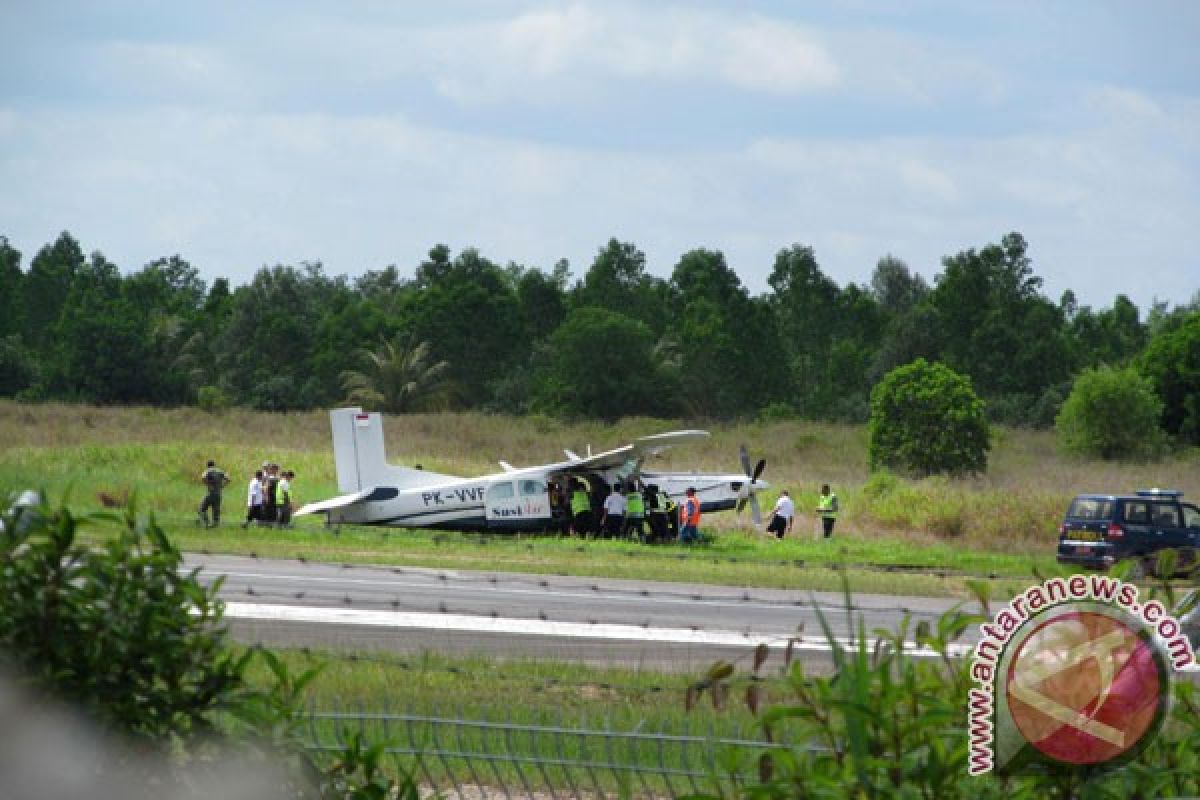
212, 398
1111, 414
121, 634
926, 418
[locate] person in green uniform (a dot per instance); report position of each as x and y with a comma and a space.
214, 480
827, 508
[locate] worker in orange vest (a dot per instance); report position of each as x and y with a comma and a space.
689, 517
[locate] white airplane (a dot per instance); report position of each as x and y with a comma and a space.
378, 493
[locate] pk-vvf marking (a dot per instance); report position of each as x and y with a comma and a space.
375, 492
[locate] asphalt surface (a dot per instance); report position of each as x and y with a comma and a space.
659, 625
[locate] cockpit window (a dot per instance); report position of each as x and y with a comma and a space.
531, 487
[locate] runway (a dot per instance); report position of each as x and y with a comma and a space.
638, 624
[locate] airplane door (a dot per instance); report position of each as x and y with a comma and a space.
519, 504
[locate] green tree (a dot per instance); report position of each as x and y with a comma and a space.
617, 281
51, 275
266, 346
11, 290
398, 377
600, 364
468, 311
926, 418
1172, 363
1111, 413
895, 287
994, 325
720, 335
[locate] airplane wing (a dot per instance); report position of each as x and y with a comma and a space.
372, 495
638, 451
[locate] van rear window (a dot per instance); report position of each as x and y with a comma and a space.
1090, 508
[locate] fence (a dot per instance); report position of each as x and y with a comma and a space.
483, 758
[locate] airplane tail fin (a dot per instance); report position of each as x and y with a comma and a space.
359, 455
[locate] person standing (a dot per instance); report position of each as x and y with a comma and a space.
254, 499
613, 519
782, 516
581, 508
827, 508
689, 517
214, 480
270, 509
635, 513
285, 499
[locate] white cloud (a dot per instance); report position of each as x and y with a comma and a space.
234, 191
559, 49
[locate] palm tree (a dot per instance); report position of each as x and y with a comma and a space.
398, 377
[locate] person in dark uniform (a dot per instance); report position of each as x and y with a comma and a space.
656, 510
270, 510
214, 480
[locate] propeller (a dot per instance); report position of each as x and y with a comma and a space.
748, 491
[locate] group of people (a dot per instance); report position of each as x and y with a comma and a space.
783, 515
269, 498
628, 510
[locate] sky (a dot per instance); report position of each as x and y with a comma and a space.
360, 134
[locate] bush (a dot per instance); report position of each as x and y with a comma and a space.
119, 633
926, 418
212, 398
888, 723
1111, 414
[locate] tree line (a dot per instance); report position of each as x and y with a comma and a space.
465, 332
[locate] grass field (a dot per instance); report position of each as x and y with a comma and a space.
1003, 523
525, 710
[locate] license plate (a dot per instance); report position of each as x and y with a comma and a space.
1084, 536
1082, 550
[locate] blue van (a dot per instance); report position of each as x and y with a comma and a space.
1100, 530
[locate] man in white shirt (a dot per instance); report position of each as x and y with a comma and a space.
782, 516
613, 521
254, 499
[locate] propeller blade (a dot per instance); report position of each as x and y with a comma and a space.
758, 469
755, 511
745, 459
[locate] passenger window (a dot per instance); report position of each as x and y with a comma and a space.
1166, 515
1191, 516
529, 488
1137, 513
500, 491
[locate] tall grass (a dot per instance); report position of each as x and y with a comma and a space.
1014, 508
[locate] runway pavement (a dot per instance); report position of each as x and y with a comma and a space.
650, 624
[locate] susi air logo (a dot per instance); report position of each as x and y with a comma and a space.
1073, 672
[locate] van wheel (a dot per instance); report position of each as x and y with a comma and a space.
1137, 570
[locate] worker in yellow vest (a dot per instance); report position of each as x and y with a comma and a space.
581, 508
635, 513
827, 508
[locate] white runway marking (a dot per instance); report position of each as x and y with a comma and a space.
464, 623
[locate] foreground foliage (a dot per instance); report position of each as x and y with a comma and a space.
885, 724
122, 635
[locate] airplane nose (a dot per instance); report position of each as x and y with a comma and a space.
760, 485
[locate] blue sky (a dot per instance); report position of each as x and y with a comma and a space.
359, 134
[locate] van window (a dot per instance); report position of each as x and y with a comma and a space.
1137, 512
1166, 515
1090, 508
1191, 516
